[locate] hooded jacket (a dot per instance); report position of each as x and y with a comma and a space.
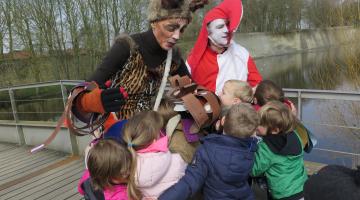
281, 159
158, 169
221, 167
85, 188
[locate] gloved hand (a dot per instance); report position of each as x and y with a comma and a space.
103, 100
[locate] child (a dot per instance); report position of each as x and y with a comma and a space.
108, 171
221, 165
268, 91
154, 168
236, 91
280, 153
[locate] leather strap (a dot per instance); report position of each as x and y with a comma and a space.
194, 98
196, 109
89, 128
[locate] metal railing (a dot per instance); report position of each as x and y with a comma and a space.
18, 123
299, 94
303, 94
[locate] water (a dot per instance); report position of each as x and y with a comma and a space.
335, 68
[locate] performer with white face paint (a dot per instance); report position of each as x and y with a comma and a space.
215, 57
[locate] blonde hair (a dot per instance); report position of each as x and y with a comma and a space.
241, 90
268, 91
241, 120
274, 114
108, 160
139, 132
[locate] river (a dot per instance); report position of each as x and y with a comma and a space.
334, 68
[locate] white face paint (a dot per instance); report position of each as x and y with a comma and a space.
219, 33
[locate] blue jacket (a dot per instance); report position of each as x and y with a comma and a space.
220, 166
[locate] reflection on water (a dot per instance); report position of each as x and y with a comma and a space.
337, 68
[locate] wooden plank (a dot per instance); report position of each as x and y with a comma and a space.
23, 164
62, 189
11, 153
25, 157
29, 169
313, 167
24, 160
39, 186
6, 147
46, 188
37, 180
76, 197
70, 194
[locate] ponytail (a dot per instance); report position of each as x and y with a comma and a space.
138, 133
132, 191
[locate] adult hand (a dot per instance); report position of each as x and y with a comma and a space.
103, 100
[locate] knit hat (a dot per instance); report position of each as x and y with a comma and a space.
170, 9
231, 10
333, 182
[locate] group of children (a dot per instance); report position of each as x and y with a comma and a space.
256, 136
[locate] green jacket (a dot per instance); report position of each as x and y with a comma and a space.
280, 159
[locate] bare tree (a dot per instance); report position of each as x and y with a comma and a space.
22, 26
7, 9
2, 30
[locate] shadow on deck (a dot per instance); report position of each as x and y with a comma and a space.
44, 175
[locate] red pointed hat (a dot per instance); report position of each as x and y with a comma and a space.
228, 9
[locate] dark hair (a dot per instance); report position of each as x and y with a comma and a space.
108, 160
267, 91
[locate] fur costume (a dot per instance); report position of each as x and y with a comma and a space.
167, 9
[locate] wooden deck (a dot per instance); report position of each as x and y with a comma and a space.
52, 175
44, 175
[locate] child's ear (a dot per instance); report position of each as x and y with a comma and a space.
275, 131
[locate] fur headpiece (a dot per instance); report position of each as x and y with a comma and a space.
167, 9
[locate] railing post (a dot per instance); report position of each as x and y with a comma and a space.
19, 129
299, 106
73, 140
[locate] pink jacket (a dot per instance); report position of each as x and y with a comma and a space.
118, 192
158, 169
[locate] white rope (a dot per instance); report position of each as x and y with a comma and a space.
164, 80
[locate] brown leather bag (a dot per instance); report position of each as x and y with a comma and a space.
202, 104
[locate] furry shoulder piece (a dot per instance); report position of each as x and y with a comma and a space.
123, 37
169, 9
